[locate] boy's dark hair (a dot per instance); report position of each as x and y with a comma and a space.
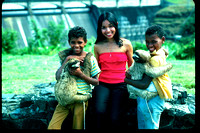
77, 32
111, 18
155, 29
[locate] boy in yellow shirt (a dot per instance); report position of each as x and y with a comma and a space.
149, 112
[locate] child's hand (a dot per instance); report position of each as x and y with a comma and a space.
76, 72
128, 76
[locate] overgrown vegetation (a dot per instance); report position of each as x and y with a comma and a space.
9, 40
45, 41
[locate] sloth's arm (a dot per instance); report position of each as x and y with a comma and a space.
82, 98
155, 72
141, 84
59, 71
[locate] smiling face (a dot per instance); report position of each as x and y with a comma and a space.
77, 44
108, 30
153, 42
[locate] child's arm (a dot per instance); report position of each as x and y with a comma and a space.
141, 84
94, 81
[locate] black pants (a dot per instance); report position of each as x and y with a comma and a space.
110, 105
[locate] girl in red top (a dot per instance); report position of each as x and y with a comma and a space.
113, 54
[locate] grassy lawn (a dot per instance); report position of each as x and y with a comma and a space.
183, 72
20, 73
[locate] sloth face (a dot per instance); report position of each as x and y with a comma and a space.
73, 64
137, 58
141, 56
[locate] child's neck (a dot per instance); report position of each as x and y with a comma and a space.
83, 53
109, 40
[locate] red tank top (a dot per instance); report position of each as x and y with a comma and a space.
113, 67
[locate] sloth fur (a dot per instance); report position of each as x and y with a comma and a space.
141, 66
66, 87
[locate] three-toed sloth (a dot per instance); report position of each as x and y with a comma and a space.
66, 87
141, 66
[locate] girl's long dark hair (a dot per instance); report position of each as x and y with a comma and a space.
111, 18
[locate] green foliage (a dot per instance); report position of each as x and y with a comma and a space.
9, 40
56, 33
173, 49
90, 45
138, 45
187, 47
46, 41
184, 49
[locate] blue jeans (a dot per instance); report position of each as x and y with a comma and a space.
149, 112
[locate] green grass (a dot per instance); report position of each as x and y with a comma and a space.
20, 73
183, 72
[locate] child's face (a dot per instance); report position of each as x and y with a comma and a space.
153, 42
107, 29
77, 44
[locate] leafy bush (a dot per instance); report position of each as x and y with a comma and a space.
173, 48
184, 49
9, 40
188, 47
56, 34
90, 45
38, 37
138, 45
46, 41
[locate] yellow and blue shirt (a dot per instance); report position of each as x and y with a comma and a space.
84, 87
